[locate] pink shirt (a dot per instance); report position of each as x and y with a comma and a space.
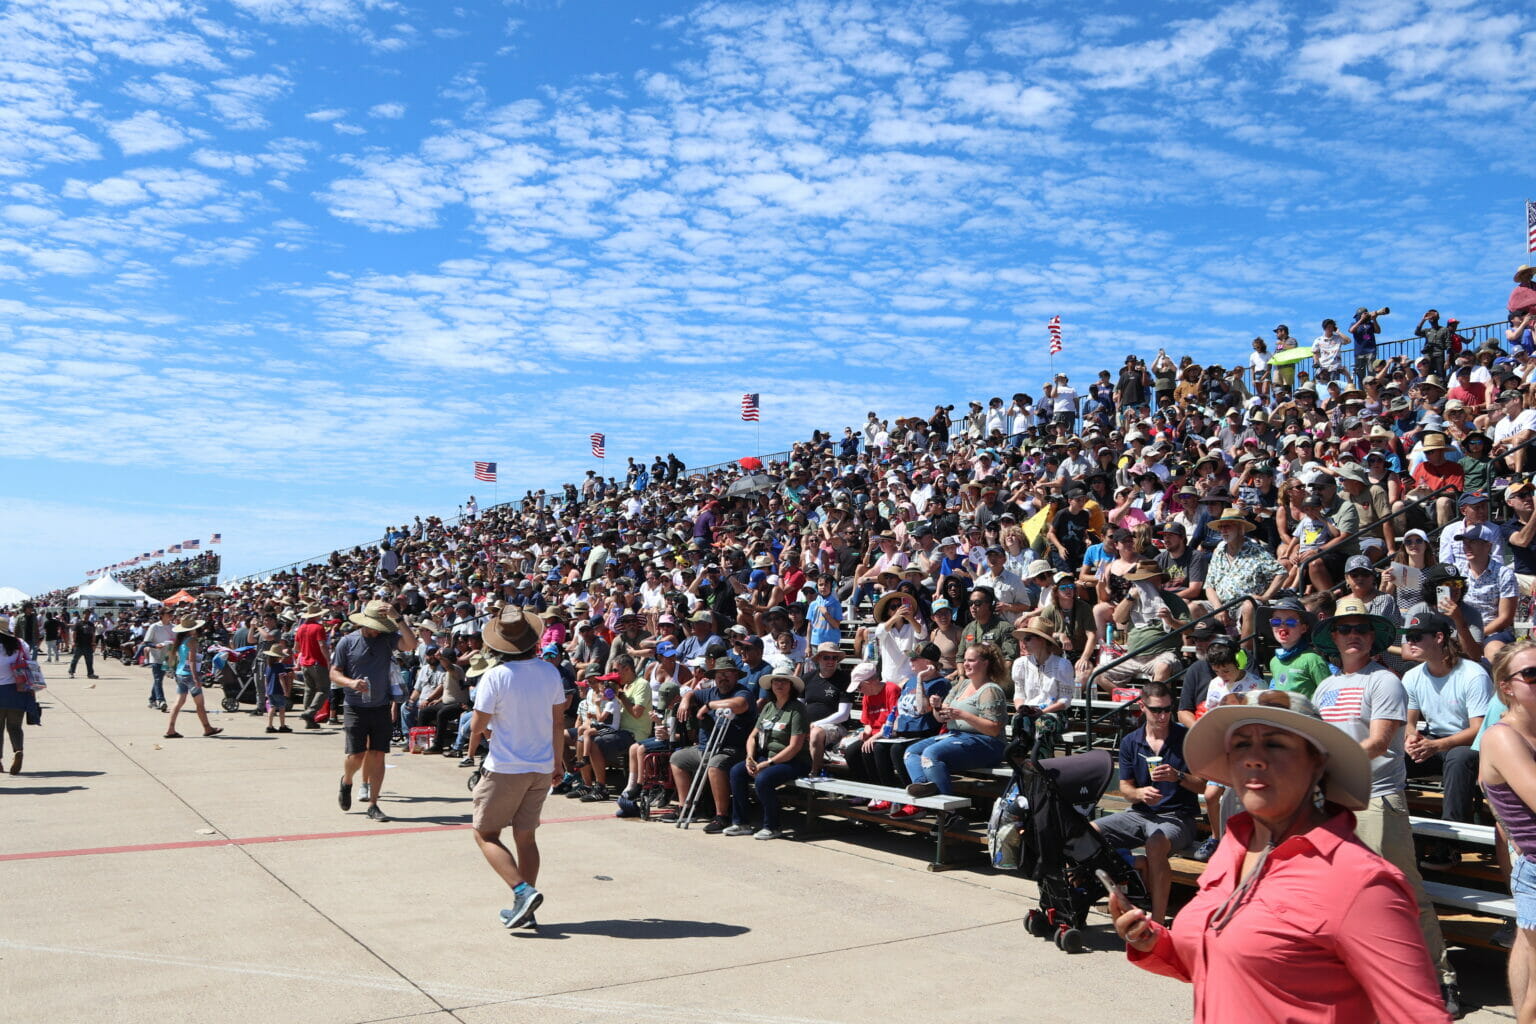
1329, 934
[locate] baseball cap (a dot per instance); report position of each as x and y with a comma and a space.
666, 649
1481, 531
1471, 498
862, 673
1429, 622
1357, 563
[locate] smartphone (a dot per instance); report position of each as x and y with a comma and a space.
1109, 884
1442, 594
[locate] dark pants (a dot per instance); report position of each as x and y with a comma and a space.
1457, 769
883, 764
766, 782
83, 651
12, 719
445, 717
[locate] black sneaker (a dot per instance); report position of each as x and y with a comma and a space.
716, 825
344, 795
595, 795
922, 789
468, 762
374, 814
577, 792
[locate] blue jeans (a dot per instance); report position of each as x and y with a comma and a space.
931, 760
408, 713
767, 782
157, 683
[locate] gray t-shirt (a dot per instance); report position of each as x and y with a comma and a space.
358, 657
1352, 701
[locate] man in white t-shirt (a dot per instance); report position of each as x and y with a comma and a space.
157, 640
1517, 427
520, 703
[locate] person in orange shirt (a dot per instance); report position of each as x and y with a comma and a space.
1435, 472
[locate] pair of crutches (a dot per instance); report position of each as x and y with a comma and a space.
711, 748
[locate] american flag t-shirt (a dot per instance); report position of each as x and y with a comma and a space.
749, 408
1341, 704
485, 472
597, 445
1055, 328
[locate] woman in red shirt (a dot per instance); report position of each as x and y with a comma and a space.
1296, 920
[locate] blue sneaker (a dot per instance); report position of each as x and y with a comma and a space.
1204, 851
523, 906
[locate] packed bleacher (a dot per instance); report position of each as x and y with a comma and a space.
1031, 571
162, 579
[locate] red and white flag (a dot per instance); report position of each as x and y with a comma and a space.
597, 445
1055, 328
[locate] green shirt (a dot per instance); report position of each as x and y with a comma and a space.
637, 692
998, 632
776, 726
1300, 673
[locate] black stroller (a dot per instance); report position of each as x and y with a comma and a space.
1058, 848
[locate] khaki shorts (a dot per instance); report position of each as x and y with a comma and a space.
510, 800
1128, 670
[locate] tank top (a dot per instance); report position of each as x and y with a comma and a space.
1519, 821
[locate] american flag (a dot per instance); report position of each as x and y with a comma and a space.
749, 408
1530, 226
216, 538
159, 553
485, 472
1055, 328
190, 545
597, 446
174, 548
1341, 705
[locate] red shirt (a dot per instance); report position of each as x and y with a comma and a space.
878, 707
1434, 477
1469, 394
309, 645
1329, 934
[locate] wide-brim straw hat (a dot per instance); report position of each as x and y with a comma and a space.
277, 652
311, 611
1351, 608
1145, 570
882, 605
187, 625
1347, 776
514, 631
478, 665
1036, 631
766, 683
375, 615
1232, 517
1433, 443
5, 626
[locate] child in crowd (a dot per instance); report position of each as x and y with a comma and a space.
279, 686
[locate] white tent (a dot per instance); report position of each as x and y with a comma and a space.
145, 599
105, 592
11, 596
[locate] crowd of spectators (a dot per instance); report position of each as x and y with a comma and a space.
1208, 522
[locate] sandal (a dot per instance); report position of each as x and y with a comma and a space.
212, 732
173, 735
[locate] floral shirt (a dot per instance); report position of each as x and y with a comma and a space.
1250, 571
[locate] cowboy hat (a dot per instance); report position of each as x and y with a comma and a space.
1347, 776
478, 665
310, 611
1146, 569
1434, 443
1525, 274
1039, 634
766, 683
1232, 517
189, 624
375, 615
514, 631
277, 652
882, 605
1353, 607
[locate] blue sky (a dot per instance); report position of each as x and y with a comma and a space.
283, 268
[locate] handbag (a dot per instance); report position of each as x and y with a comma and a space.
28, 673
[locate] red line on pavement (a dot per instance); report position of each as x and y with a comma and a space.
258, 840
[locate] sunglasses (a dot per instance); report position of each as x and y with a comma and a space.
1415, 637
1525, 675
1158, 709
1354, 628
1285, 623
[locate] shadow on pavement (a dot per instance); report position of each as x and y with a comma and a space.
40, 790
635, 928
62, 775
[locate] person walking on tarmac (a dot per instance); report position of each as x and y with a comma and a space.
361, 668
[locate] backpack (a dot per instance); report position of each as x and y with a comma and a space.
1005, 828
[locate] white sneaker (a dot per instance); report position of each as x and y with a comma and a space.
739, 830
767, 833
367, 793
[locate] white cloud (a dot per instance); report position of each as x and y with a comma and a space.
239, 102
391, 111
327, 114
148, 131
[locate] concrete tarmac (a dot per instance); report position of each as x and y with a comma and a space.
214, 879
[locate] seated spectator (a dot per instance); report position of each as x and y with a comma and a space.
1155, 779
1043, 687
719, 704
631, 696
1296, 666
975, 712
1146, 616
777, 754
826, 694
1449, 693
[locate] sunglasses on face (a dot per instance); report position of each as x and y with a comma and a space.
1285, 623
1158, 709
1354, 629
1525, 675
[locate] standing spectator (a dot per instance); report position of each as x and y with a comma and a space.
158, 639
15, 703
1328, 353
53, 629
313, 661
1437, 340
1363, 331
182, 664
84, 643
361, 666
520, 702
